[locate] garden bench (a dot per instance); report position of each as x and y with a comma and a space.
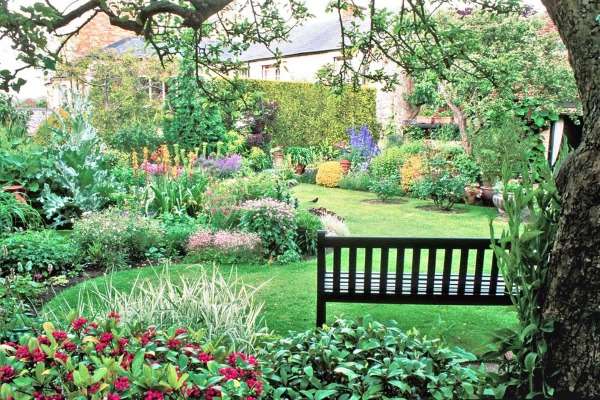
398, 270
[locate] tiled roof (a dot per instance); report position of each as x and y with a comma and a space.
316, 36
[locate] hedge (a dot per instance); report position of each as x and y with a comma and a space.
310, 114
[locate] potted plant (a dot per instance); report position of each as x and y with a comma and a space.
472, 193
300, 158
277, 156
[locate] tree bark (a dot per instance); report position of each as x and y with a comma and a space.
572, 293
459, 117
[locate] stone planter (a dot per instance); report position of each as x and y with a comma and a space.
277, 156
345, 164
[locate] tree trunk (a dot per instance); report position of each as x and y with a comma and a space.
572, 293
459, 117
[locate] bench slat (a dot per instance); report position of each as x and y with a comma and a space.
337, 267
479, 259
399, 269
462, 273
431, 269
368, 268
383, 270
416, 261
352, 268
447, 270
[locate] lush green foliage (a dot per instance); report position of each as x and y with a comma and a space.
356, 180
191, 120
309, 114
307, 227
369, 360
39, 253
135, 137
17, 312
16, 214
523, 257
385, 187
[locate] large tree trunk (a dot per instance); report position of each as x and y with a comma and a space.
573, 289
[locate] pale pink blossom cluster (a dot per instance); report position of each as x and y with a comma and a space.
274, 208
160, 169
224, 241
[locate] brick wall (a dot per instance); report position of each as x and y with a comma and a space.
98, 33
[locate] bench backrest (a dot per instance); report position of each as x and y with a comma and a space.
383, 268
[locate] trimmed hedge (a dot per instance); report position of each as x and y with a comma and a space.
310, 114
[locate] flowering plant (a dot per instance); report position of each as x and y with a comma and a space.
106, 361
362, 146
224, 246
274, 221
222, 167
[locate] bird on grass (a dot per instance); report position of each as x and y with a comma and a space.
314, 200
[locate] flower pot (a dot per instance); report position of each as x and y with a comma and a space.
472, 194
345, 164
18, 191
299, 169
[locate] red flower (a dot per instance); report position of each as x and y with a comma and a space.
211, 393
127, 360
7, 373
121, 383
22, 353
59, 335
123, 342
173, 344
61, 356
43, 340
153, 395
38, 355
69, 346
94, 388
229, 373
100, 347
180, 331
79, 323
113, 396
233, 358
205, 357
69, 376
106, 337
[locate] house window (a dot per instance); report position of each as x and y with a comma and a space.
270, 72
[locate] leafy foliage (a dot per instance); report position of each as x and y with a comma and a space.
385, 188
369, 360
17, 214
39, 253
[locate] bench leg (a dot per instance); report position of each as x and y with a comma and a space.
321, 310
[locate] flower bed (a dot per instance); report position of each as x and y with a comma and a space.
107, 361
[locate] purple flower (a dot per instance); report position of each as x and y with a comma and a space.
223, 167
363, 143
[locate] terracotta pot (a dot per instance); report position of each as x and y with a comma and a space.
345, 164
18, 191
299, 168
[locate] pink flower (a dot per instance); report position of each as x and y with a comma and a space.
229, 373
121, 383
61, 356
113, 396
22, 353
153, 395
114, 315
106, 337
59, 335
180, 331
38, 355
79, 323
69, 346
205, 357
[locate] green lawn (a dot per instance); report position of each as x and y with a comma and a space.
289, 292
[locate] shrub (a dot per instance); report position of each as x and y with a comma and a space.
309, 114
411, 171
356, 180
467, 167
330, 174
444, 189
308, 225
39, 253
388, 163
103, 360
385, 188
16, 214
136, 136
366, 359
114, 238
274, 221
227, 247
309, 176
177, 230
258, 159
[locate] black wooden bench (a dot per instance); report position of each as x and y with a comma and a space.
387, 274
